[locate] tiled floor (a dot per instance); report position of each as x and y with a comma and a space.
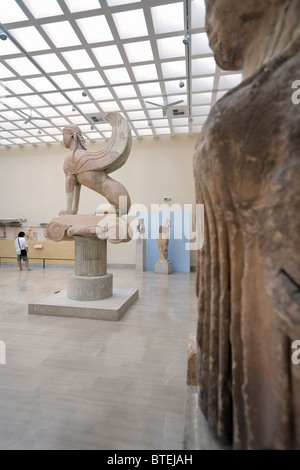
89, 384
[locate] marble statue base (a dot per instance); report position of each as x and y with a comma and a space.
163, 267
110, 309
140, 264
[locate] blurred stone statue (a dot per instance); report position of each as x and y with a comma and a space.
163, 240
247, 175
141, 228
92, 168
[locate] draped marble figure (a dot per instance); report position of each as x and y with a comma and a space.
247, 175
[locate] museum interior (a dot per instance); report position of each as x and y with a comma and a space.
149, 155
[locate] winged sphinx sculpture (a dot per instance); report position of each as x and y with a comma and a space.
91, 169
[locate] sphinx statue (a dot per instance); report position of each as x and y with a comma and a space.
247, 175
91, 169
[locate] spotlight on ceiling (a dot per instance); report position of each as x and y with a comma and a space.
150, 123
186, 39
84, 93
73, 108
181, 84
92, 127
191, 119
39, 131
3, 34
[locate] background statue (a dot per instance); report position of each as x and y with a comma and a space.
247, 175
141, 229
163, 240
91, 168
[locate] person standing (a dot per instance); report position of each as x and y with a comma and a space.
22, 251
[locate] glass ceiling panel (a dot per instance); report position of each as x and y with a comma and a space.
4, 72
202, 84
11, 12
10, 115
139, 51
23, 66
108, 55
119, 75
145, 72
56, 98
125, 91
198, 14
88, 108
30, 39
174, 69
34, 100
137, 115
202, 110
8, 126
82, 5
205, 66
201, 98
110, 106
18, 87
48, 112
50, 63
169, 48
180, 122
41, 9
78, 59
95, 29
173, 87
62, 34
131, 104
13, 103
101, 94
112, 3
200, 44
41, 84
91, 78
66, 81
130, 24
76, 97
168, 18
8, 48
150, 89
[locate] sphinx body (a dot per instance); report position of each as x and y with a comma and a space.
91, 169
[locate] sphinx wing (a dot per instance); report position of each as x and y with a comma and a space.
114, 155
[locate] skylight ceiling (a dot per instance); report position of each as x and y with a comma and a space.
73, 61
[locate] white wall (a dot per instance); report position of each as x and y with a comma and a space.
32, 184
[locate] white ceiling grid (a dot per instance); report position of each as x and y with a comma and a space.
72, 61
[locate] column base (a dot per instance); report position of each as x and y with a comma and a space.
86, 288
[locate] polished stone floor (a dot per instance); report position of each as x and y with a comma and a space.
71, 383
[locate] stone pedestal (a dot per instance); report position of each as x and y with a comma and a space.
163, 267
90, 292
90, 281
140, 263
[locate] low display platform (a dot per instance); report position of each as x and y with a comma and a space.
110, 309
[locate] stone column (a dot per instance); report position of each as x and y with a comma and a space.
90, 280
